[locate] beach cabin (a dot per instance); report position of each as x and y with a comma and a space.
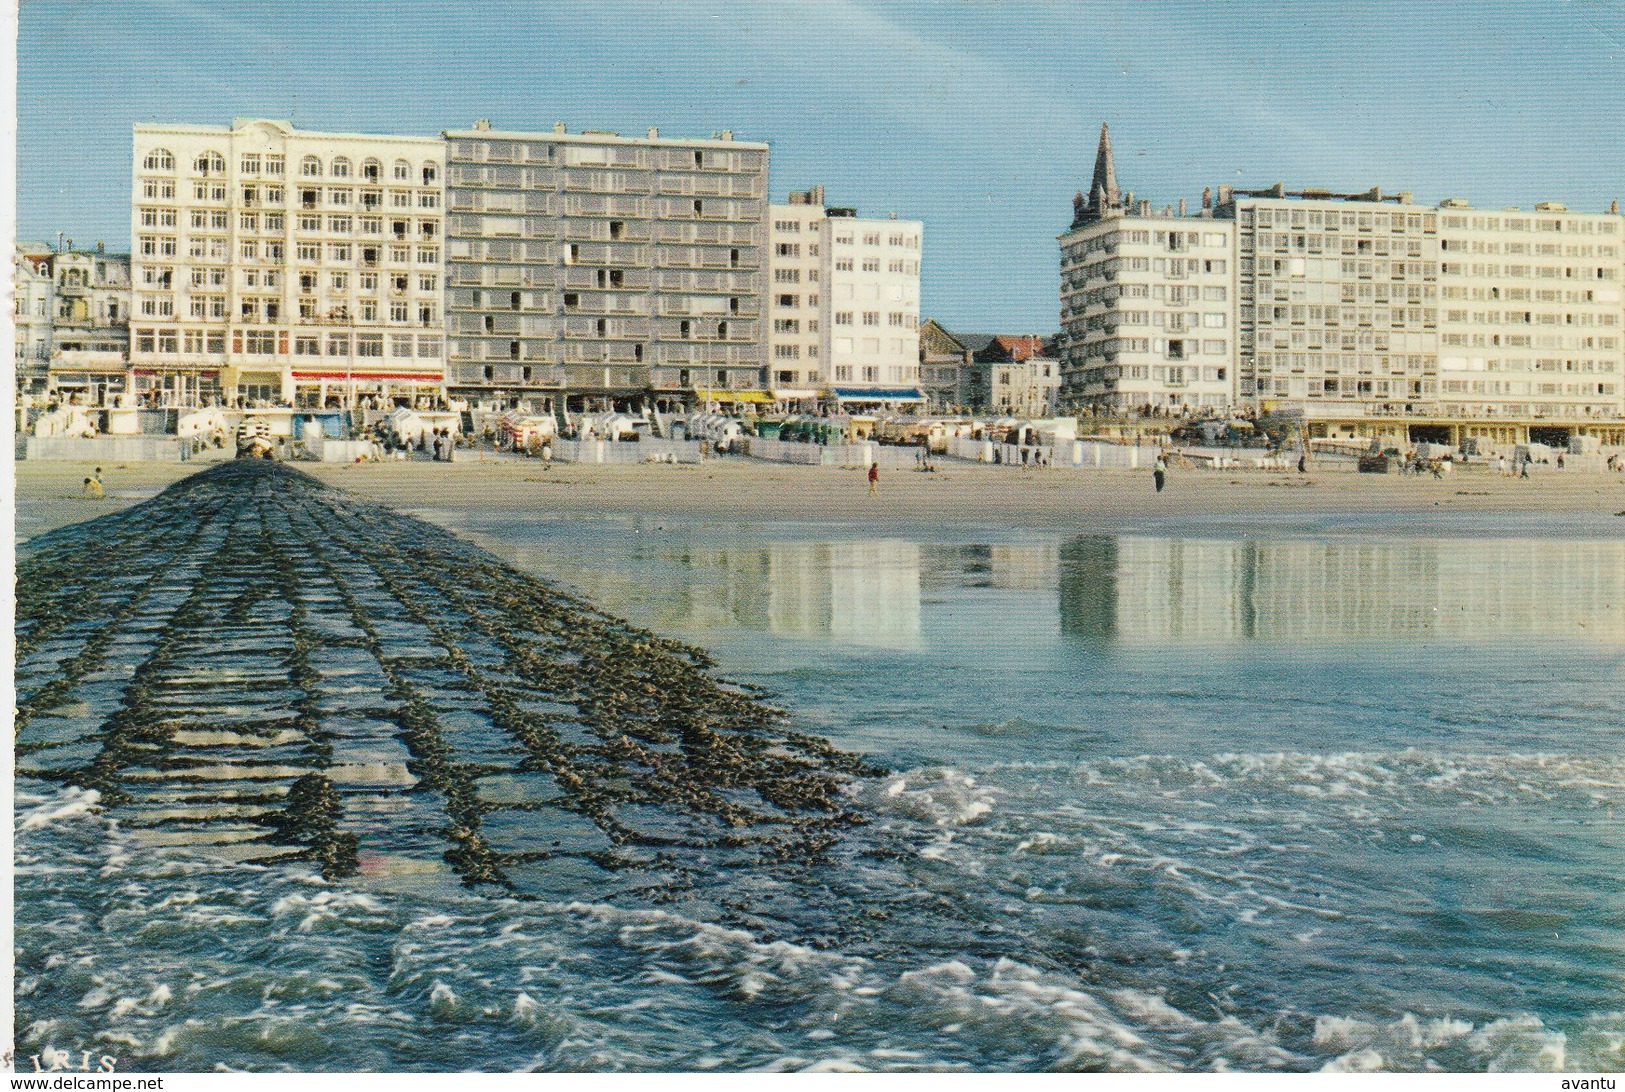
613, 426
406, 426
525, 433
205, 427
447, 421
724, 432
75, 421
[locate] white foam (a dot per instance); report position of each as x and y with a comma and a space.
71, 803
938, 795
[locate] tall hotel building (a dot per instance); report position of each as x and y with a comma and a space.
274, 264
1530, 313
1363, 314
845, 307
1338, 302
590, 271
1147, 302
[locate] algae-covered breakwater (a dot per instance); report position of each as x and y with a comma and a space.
255, 661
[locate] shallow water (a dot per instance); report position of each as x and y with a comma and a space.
1201, 802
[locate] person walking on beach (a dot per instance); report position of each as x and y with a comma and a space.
874, 479
1159, 471
1524, 473
1501, 465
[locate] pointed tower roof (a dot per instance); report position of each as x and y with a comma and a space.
1105, 180
1104, 196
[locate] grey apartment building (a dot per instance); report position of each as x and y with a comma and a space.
591, 271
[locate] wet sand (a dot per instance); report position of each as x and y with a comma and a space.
960, 495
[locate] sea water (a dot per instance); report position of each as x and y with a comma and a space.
1162, 800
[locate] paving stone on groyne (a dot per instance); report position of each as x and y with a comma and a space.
257, 661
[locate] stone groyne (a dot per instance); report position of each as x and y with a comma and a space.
255, 663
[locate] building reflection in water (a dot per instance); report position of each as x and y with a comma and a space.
1105, 590
865, 594
1139, 591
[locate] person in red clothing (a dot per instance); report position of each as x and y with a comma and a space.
874, 478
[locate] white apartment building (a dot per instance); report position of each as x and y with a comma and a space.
797, 346
1148, 313
90, 340
1147, 303
72, 311
1361, 313
1338, 303
33, 311
1530, 312
845, 306
278, 265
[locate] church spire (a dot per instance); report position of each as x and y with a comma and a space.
1104, 195
1103, 190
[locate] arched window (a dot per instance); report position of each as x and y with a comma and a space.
341, 168
159, 159
431, 171
371, 170
403, 171
210, 163
310, 167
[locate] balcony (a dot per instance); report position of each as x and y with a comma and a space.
97, 360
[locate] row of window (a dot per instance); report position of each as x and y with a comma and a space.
1283, 242
220, 220
1571, 226
911, 242
870, 346
1491, 386
1548, 272
311, 198
872, 318
1184, 347
1333, 315
1535, 318
1330, 220
1524, 364
575, 154
1174, 294
1175, 375
166, 246
845, 373
1528, 341
278, 343
1173, 267
1549, 250
311, 166
1539, 295
269, 309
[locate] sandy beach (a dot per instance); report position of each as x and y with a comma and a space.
959, 495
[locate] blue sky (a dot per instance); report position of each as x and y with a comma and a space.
978, 118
